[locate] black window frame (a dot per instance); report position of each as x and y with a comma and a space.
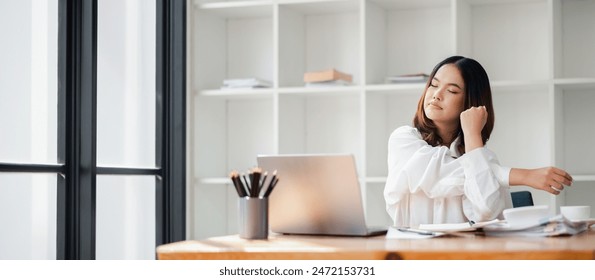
77, 128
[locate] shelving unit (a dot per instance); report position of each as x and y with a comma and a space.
539, 59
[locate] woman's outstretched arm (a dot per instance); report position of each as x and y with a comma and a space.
549, 179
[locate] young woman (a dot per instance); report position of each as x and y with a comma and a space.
439, 170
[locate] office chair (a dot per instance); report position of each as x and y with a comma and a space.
521, 198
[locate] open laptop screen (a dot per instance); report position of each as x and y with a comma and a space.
316, 194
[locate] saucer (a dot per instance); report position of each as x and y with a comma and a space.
527, 216
589, 221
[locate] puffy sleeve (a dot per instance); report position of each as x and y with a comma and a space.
415, 166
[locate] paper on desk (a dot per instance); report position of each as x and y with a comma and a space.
458, 226
555, 226
437, 230
395, 233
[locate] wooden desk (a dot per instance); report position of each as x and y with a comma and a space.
292, 247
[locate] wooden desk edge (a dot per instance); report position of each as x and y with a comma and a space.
369, 255
383, 255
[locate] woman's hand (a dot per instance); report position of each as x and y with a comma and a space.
472, 122
474, 119
549, 179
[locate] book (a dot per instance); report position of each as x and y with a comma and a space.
326, 75
245, 83
409, 78
333, 83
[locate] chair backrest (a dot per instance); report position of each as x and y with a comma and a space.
521, 198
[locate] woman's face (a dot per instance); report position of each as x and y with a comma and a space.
445, 97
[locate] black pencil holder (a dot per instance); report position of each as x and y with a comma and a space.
253, 215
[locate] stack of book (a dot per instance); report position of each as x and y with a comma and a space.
409, 78
326, 78
245, 83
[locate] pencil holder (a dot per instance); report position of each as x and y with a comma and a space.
254, 217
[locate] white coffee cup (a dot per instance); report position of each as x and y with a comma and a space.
576, 212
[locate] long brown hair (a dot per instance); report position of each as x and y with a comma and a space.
477, 93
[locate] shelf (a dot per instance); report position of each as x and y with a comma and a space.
411, 4
237, 9
237, 93
575, 83
411, 88
265, 93
583, 178
536, 52
313, 91
213, 181
317, 7
514, 85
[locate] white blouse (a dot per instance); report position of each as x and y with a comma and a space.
430, 185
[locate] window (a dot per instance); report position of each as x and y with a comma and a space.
126, 125
28, 129
64, 200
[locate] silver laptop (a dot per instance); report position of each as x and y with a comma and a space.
316, 194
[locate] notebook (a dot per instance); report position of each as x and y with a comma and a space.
316, 194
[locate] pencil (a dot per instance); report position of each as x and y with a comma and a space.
261, 185
255, 182
247, 186
237, 183
271, 186
267, 187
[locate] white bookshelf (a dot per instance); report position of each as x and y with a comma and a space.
539, 59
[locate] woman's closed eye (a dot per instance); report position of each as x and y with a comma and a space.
451, 90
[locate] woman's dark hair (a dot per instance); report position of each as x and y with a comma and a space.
477, 93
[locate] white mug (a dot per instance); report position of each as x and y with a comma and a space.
576, 212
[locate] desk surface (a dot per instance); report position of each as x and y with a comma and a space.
288, 247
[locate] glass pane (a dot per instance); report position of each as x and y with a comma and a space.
126, 83
125, 217
28, 216
28, 81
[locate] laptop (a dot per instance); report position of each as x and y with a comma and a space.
317, 195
